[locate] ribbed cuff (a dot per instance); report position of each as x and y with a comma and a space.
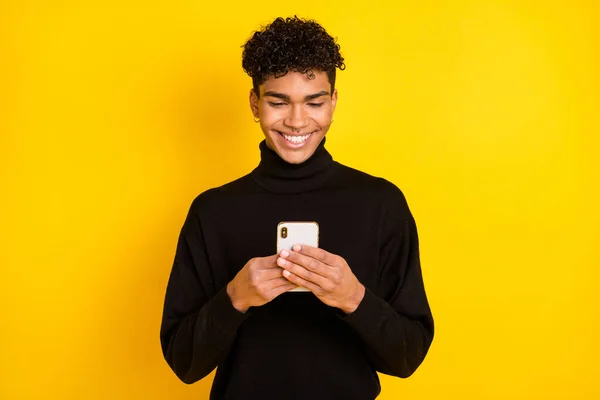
224, 314
368, 313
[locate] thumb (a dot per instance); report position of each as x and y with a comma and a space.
269, 261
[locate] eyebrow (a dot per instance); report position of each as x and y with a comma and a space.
287, 98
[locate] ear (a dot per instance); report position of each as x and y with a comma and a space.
254, 103
334, 100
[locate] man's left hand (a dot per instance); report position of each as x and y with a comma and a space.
325, 274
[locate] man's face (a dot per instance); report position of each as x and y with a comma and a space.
295, 113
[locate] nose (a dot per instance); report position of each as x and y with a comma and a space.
296, 119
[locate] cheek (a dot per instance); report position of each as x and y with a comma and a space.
322, 116
270, 115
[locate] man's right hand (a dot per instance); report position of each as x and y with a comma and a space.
257, 283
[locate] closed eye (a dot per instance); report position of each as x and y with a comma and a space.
315, 105
276, 104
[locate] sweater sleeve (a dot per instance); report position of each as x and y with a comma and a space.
396, 324
199, 323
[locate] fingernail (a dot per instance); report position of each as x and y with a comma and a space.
297, 247
281, 262
284, 253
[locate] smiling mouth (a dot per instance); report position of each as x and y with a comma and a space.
296, 139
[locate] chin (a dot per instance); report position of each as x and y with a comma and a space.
292, 155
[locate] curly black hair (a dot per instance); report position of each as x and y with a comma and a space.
291, 44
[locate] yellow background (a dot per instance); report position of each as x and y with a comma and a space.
114, 116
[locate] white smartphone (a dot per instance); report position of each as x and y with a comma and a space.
290, 233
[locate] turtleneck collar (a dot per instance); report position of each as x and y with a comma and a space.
277, 175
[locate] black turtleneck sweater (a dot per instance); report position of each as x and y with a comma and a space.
296, 347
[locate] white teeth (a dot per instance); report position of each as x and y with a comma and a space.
296, 139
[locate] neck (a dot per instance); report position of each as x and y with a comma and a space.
274, 174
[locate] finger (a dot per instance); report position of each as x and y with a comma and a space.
274, 283
269, 262
302, 282
316, 253
271, 273
302, 272
276, 291
309, 263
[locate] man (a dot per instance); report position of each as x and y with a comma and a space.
228, 304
